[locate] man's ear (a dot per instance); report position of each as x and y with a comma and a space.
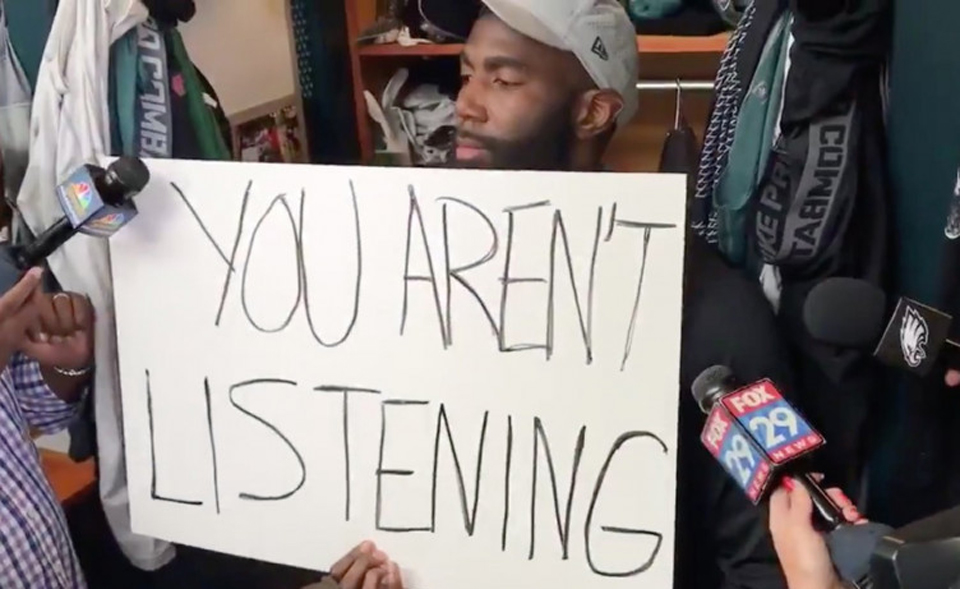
596, 112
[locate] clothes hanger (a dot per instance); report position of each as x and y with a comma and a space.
678, 115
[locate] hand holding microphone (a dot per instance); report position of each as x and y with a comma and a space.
802, 550
95, 201
758, 437
754, 432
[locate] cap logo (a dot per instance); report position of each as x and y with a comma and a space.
600, 50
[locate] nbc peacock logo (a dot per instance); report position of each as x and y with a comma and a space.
82, 194
111, 220
106, 224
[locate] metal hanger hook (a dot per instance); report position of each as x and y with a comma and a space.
679, 101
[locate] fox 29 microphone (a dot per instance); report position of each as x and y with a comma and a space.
95, 201
753, 432
757, 436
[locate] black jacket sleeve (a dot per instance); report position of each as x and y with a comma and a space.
822, 208
722, 539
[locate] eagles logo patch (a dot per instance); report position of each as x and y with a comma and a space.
914, 334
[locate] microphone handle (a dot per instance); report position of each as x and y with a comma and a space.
829, 515
45, 244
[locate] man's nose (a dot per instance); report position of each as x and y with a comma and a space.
470, 103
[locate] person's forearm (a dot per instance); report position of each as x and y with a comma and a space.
836, 583
67, 388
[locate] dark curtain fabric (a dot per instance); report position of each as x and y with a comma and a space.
916, 471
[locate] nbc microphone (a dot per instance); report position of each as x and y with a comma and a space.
850, 313
95, 201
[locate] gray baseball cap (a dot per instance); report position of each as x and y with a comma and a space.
598, 32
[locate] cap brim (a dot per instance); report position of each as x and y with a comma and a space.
520, 19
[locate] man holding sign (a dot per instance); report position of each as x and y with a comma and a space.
545, 86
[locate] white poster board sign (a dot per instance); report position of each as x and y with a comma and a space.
476, 370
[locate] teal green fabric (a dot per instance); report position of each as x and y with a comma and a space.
924, 138
204, 121
750, 150
29, 22
924, 131
651, 9
124, 57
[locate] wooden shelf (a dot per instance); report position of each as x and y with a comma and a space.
676, 44
645, 44
423, 50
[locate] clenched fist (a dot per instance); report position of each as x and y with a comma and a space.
61, 334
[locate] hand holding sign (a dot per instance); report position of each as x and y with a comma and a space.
366, 567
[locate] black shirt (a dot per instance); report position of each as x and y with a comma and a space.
722, 539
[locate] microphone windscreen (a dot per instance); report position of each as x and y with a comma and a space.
707, 382
845, 312
132, 173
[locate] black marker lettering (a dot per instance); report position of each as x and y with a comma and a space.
456, 273
469, 512
563, 526
346, 433
408, 278
623, 439
153, 455
213, 443
647, 229
631, 330
273, 428
233, 254
613, 222
382, 472
203, 227
506, 484
356, 288
586, 325
282, 200
507, 279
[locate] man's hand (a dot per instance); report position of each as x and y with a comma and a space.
60, 338
801, 549
366, 567
17, 314
62, 334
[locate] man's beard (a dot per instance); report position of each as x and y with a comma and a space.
549, 147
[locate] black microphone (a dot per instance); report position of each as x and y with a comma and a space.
95, 201
757, 436
850, 313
